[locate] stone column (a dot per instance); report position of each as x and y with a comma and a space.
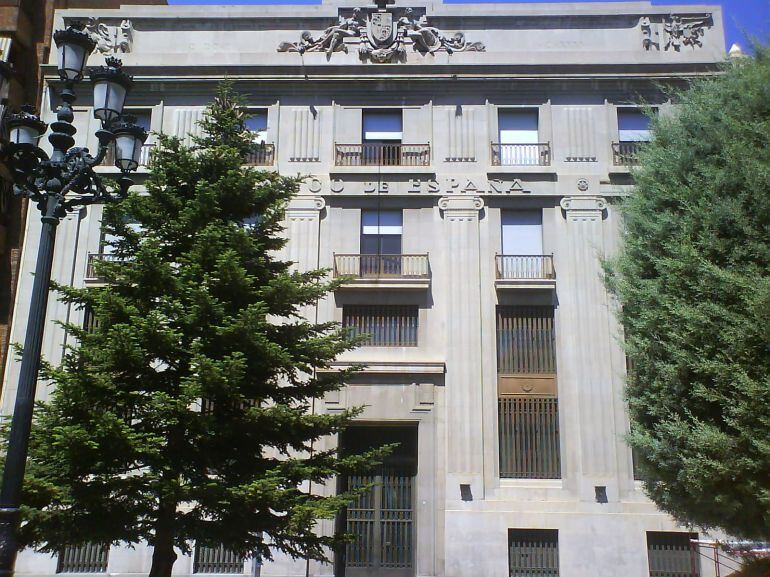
465, 459
587, 399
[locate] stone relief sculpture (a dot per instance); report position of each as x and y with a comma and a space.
676, 31
111, 39
380, 38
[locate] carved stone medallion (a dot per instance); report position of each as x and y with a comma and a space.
381, 28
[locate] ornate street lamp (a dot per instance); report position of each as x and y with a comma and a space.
57, 184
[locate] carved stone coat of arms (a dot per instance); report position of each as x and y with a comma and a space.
381, 28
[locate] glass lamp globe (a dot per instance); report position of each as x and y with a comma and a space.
74, 46
111, 85
129, 138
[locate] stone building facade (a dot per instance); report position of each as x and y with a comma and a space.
463, 165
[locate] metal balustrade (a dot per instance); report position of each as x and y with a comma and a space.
533, 553
98, 257
370, 266
377, 154
521, 154
514, 266
216, 560
144, 155
382, 325
626, 153
669, 554
88, 558
529, 437
261, 155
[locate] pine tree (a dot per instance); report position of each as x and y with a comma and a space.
695, 293
184, 414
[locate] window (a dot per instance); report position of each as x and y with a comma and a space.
522, 232
90, 322
633, 125
533, 552
381, 242
528, 407
383, 325
257, 124
216, 560
518, 140
669, 554
88, 558
382, 126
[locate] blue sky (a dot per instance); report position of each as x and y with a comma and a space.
752, 16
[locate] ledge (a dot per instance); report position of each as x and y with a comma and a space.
525, 283
386, 284
382, 170
394, 367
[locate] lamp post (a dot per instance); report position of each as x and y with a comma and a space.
59, 183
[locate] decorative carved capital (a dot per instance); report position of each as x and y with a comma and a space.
461, 207
583, 207
305, 207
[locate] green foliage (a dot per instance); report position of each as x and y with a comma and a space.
198, 307
695, 293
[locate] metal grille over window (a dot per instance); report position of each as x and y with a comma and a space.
216, 560
90, 322
383, 325
88, 558
528, 407
533, 552
670, 555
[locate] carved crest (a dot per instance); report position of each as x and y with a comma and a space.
381, 28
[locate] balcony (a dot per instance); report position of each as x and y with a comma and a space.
524, 272
377, 271
521, 154
144, 156
371, 154
626, 153
261, 155
91, 275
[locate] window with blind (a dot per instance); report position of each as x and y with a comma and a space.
216, 560
528, 406
533, 552
670, 555
87, 558
382, 325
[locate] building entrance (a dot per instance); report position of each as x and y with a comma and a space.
382, 518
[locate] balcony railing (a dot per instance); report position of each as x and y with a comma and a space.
98, 257
626, 153
382, 154
514, 267
521, 154
261, 155
375, 266
144, 156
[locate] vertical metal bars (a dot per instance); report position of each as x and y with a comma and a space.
261, 155
521, 154
216, 560
381, 265
88, 558
533, 552
511, 266
529, 437
525, 340
381, 520
384, 325
626, 153
378, 154
668, 553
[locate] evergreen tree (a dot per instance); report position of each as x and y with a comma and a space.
695, 293
184, 414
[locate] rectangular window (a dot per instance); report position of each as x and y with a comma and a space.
529, 437
381, 242
522, 232
257, 124
88, 558
90, 322
385, 126
670, 555
533, 552
633, 125
518, 126
383, 325
216, 560
525, 340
